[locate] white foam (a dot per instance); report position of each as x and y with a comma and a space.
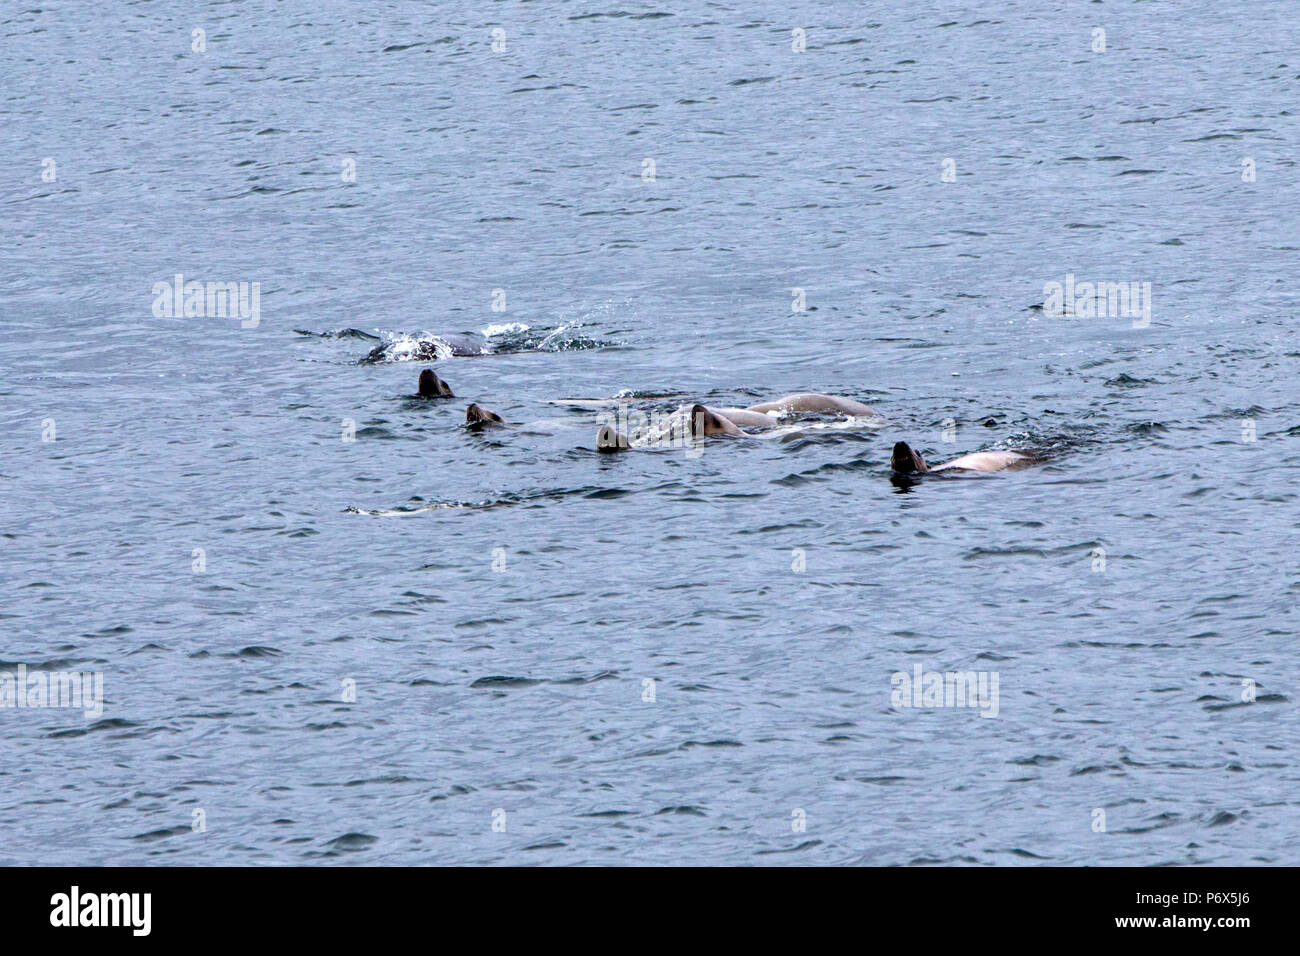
560, 331
492, 330
839, 424
403, 346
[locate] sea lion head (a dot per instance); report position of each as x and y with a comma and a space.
906, 460
705, 421
478, 415
433, 387
610, 439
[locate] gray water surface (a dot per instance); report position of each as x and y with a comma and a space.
502, 598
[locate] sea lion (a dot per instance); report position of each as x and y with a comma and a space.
745, 417
610, 439
697, 421
906, 461
814, 402
428, 349
704, 420
682, 427
478, 415
433, 387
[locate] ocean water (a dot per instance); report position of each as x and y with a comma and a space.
334, 625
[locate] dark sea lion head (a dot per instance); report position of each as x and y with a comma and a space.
906, 460
478, 415
433, 387
610, 439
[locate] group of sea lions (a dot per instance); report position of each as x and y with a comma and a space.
430, 386
697, 421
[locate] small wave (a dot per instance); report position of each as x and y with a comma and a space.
497, 680
1148, 428
1124, 380
351, 842
420, 509
504, 501
340, 334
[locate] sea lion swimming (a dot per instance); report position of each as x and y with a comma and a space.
908, 461
433, 387
478, 415
428, 349
685, 426
814, 402
704, 420
745, 417
692, 422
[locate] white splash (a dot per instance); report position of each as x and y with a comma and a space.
492, 330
